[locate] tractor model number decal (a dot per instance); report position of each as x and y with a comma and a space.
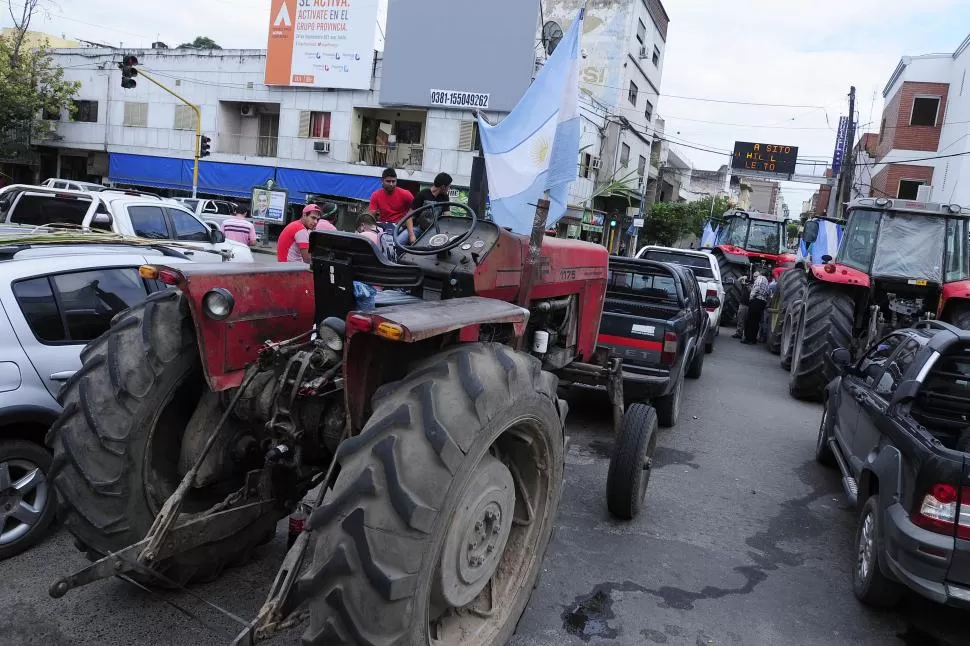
567, 274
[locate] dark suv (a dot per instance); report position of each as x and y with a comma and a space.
897, 424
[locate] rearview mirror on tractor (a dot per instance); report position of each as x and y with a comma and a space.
841, 357
810, 234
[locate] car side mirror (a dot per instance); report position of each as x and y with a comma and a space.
906, 391
810, 232
826, 258
842, 358
713, 302
218, 237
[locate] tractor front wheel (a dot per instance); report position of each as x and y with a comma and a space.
118, 440
730, 273
824, 324
435, 528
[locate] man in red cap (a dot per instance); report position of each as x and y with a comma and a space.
294, 243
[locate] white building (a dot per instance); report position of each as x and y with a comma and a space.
329, 142
924, 135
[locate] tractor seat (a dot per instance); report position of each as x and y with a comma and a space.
390, 297
347, 257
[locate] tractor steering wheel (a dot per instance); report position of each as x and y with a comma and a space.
433, 249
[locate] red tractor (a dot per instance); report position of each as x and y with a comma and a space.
898, 262
748, 241
428, 429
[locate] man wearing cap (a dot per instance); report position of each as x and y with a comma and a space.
294, 242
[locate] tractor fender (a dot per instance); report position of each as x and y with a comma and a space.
842, 275
954, 294
733, 258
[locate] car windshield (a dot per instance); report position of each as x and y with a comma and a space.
910, 246
764, 237
700, 265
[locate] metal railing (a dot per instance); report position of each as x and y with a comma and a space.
397, 155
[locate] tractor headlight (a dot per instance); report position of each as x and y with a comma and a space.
218, 303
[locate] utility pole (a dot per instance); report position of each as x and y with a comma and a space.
848, 166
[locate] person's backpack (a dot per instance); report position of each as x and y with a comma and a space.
386, 242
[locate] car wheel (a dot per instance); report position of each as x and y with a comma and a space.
27, 501
869, 584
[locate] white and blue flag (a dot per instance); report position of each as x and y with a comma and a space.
827, 244
535, 148
709, 236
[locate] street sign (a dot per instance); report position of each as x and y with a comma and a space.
840, 145
638, 222
767, 158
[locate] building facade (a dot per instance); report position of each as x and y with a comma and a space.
924, 134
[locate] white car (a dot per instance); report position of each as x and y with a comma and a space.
73, 185
128, 213
708, 275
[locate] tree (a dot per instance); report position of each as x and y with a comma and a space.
669, 222
792, 230
201, 42
32, 87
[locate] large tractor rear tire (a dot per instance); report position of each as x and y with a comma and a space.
960, 316
117, 442
791, 288
415, 543
825, 323
732, 293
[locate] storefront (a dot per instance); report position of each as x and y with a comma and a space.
591, 228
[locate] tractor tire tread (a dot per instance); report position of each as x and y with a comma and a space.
829, 313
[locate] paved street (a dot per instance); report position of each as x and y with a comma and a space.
744, 540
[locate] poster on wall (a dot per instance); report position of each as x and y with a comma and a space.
321, 43
269, 205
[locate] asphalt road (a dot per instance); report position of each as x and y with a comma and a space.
743, 540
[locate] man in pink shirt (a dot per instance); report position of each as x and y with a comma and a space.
237, 228
326, 222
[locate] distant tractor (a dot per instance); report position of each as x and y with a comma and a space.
899, 262
748, 241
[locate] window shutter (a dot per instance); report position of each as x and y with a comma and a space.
466, 136
184, 118
304, 123
136, 114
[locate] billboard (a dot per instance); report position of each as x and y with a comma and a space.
765, 158
321, 43
269, 205
458, 54
840, 145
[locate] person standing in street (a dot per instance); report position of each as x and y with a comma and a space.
438, 193
237, 228
756, 309
390, 203
745, 296
294, 242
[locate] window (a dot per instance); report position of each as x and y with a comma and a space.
646, 285
584, 164
188, 228
408, 132
86, 111
136, 114
642, 167
634, 90
701, 266
648, 113
36, 301
641, 32
909, 189
925, 110
656, 56
882, 129
90, 299
468, 136
871, 366
224, 208
624, 155
315, 125
897, 368
148, 222
35, 210
859, 240
957, 263
52, 115
185, 118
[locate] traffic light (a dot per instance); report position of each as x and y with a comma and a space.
204, 145
128, 71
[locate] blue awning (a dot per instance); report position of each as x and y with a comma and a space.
235, 180
300, 182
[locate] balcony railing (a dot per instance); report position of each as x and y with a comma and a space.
397, 156
248, 145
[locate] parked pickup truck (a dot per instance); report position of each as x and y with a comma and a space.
896, 424
654, 318
129, 213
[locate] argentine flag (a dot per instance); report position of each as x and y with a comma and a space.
827, 244
709, 236
535, 148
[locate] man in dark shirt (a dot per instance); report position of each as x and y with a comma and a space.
436, 194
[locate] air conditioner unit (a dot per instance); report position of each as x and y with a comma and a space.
322, 146
924, 193
643, 51
247, 110
594, 163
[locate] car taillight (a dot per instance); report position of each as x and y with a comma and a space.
940, 511
711, 293
669, 353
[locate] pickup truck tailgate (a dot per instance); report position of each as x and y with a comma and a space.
634, 331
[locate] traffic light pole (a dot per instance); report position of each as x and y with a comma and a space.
198, 127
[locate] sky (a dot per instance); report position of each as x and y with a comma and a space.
793, 52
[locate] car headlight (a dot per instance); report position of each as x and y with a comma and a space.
218, 303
